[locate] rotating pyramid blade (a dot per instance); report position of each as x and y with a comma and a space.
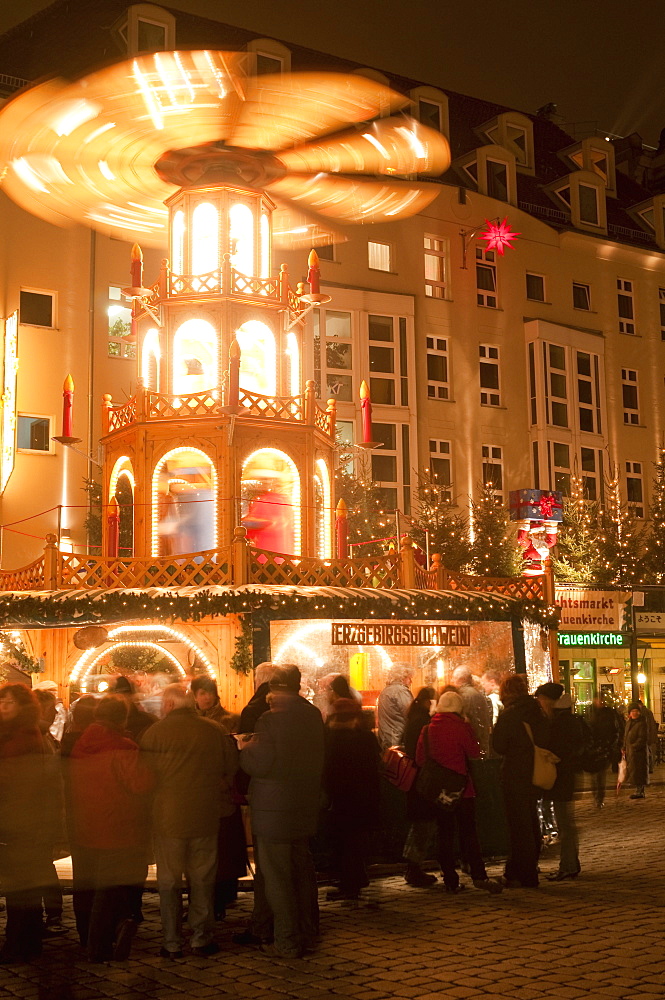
356, 199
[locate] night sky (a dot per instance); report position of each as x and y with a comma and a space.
600, 61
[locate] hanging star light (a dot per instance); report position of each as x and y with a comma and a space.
498, 235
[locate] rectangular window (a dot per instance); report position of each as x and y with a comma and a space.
489, 375
581, 296
591, 465
384, 460
440, 466
486, 278
403, 362
588, 392
339, 355
631, 408
533, 398
625, 304
382, 360
429, 114
268, 64
151, 35
560, 459
438, 385
37, 309
535, 287
435, 267
345, 435
33, 433
556, 385
497, 180
661, 306
635, 488
379, 256
326, 251
120, 342
588, 204
493, 467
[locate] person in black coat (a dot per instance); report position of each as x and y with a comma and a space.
422, 831
351, 783
511, 741
607, 734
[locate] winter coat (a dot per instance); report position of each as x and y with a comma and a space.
419, 716
511, 741
108, 787
636, 739
254, 709
392, 707
194, 762
285, 763
138, 720
450, 742
351, 776
478, 710
606, 731
569, 736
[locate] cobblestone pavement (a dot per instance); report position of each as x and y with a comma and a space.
599, 936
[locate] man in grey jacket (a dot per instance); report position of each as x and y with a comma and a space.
393, 706
194, 762
477, 707
285, 762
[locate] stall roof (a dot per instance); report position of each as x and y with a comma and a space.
53, 609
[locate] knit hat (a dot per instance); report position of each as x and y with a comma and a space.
450, 702
550, 690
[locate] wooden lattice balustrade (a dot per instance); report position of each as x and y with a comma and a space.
280, 568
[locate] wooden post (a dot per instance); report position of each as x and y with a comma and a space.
227, 278
552, 638
107, 399
164, 278
239, 556
407, 565
441, 572
331, 409
140, 401
310, 401
284, 284
51, 563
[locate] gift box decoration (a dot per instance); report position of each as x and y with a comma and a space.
536, 505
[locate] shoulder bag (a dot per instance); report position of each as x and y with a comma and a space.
544, 764
439, 785
398, 768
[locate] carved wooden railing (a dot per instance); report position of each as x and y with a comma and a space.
522, 587
195, 569
254, 404
30, 577
244, 284
121, 416
281, 568
162, 406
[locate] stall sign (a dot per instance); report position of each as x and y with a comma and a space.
650, 621
399, 634
602, 639
591, 610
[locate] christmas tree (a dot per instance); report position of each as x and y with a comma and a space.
652, 566
575, 558
371, 522
619, 539
437, 514
494, 550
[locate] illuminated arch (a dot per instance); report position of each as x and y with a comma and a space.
151, 355
121, 467
184, 503
270, 488
265, 246
178, 242
205, 239
194, 357
241, 236
258, 358
292, 364
323, 505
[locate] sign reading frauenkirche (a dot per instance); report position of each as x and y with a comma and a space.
399, 634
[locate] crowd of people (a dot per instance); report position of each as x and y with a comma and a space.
119, 787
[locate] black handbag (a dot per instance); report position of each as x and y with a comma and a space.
437, 784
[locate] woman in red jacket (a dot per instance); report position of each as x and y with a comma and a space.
450, 741
110, 829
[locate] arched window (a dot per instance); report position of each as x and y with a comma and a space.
265, 246
258, 358
150, 357
184, 503
292, 364
205, 239
194, 357
241, 236
178, 242
322, 509
270, 491
124, 494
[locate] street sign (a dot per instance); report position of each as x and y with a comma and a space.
650, 621
605, 640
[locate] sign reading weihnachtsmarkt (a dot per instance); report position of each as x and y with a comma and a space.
591, 610
399, 634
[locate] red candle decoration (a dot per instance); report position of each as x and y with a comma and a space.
366, 412
68, 407
342, 530
314, 273
234, 373
113, 524
136, 269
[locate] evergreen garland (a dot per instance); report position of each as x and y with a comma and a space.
242, 659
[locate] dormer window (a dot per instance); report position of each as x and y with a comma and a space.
595, 156
497, 180
514, 132
588, 204
492, 170
268, 57
582, 194
146, 28
429, 114
430, 107
651, 216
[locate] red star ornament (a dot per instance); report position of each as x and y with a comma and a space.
498, 235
